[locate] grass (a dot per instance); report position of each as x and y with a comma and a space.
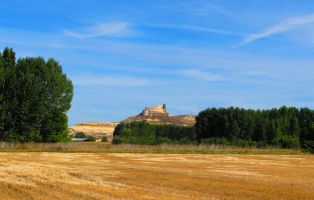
92, 147
134, 176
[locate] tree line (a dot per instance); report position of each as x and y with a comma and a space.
286, 127
141, 132
34, 97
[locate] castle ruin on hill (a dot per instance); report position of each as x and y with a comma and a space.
159, 115
159, 110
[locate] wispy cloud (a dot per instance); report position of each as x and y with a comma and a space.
286, 25
94, 80
197, 28
103, 29
200, 75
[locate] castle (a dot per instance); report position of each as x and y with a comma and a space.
159, 110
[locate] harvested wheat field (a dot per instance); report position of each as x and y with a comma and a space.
155, 176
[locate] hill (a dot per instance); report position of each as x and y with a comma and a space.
154, 115
182, 120
159, 115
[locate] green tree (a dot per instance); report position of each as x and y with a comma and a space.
8, 94
1, 96
35, 96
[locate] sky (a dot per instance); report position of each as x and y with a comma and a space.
124, 55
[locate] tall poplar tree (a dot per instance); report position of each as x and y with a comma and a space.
35, 96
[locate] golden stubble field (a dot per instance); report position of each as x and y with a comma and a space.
155, 176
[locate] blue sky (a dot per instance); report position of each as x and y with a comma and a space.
124, 55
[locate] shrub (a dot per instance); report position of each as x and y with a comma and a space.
261, 144
91, 138
116, 140
309, 145
80, 135
104, 139
215, 140
163, 140
287, 141
243, 143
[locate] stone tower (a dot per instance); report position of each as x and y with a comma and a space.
164, 106
146, 111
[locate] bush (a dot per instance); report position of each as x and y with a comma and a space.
287, 141
116, 140
224, 141
80, 135
243, 143
215, 140
261, 144
309, 145
104, 139
163, 140
91, 138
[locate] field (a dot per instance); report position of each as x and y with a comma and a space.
35, 175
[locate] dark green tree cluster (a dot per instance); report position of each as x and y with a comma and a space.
284, 127
34, 97
144, 133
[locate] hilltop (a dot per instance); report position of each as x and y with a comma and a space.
159, 115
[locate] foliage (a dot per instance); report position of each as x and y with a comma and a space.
34, 96
308, 145
224, 141
284, 127
80, 135
145, 133
104, 139
215, 140
91, 138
